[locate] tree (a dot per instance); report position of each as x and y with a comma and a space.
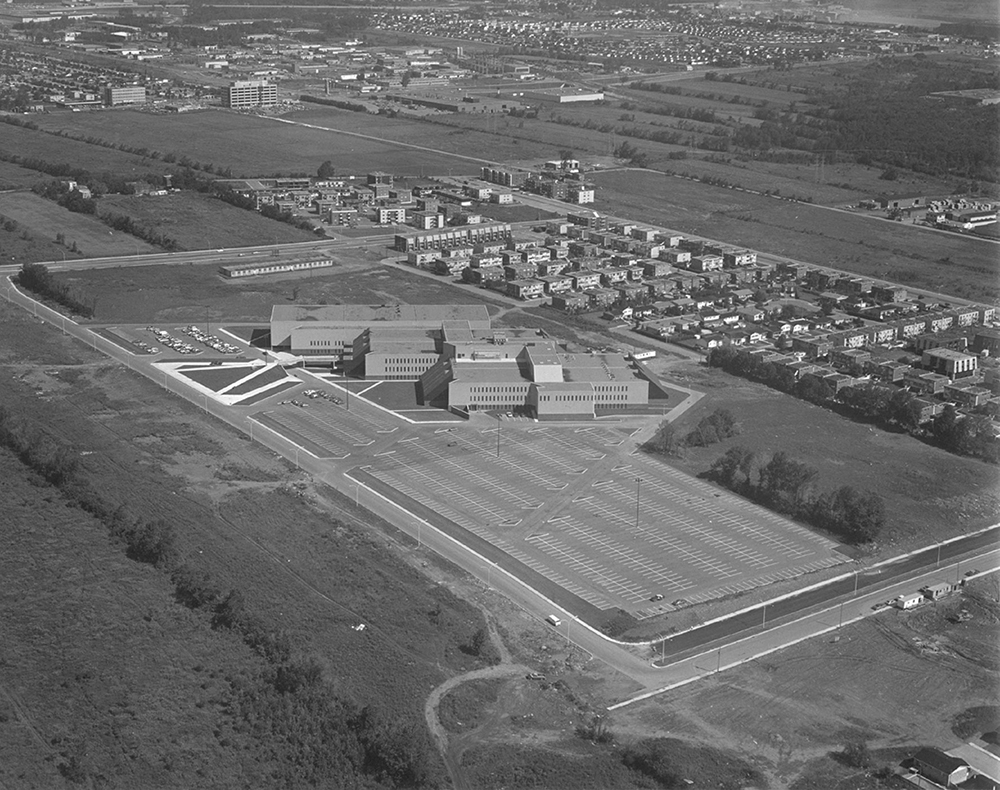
784, 483
230, 611
325, 170
665, 441
565, 156
734, 469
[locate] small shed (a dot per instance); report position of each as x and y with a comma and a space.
909, 600
940, 767
934, 591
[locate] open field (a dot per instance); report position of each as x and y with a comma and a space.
44, 219
929, 494
313, 567
947, 263
255, 146
197, 221
164, 294
20, 245
796, 708
98, 664
16, 177
61, 150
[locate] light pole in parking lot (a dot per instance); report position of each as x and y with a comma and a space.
498, 435
638, 483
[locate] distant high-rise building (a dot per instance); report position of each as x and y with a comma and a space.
127, 94
243, 94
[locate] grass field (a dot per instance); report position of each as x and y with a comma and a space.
946, 263
314, 573
797, 708
197, 221
44, 219
163, 294
929, 494
254, 146
60, 150
15, 177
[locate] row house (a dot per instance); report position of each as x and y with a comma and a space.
570, 301
632, 292
525, 289
715, 277
924, 382
659, 288
742, 276
622, 244
590, 220
643, 234
939, 322
669, 239
585, 279
612, 276
558, 251
889, 293
601, 297
930, 340
812, 346
536, 256
580, 249
647, 249
489, 248
555, 284
676, 257
449, 266
706, 263
519, 271
656, 269
421, 257
483, 275
888, 371
852, 358
965, 316
965, 395
736, 258
552, 267
484, 260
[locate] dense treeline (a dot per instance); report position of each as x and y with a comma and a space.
305, 733
884, 116
36, 278
788, 486
890, 407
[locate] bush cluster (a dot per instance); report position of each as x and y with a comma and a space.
788, 486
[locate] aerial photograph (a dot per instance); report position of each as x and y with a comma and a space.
499, 394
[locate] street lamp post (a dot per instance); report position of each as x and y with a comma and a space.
638, 483
498, 435
763, 622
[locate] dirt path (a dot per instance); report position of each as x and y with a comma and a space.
451, 755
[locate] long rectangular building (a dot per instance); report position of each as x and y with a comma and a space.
466, 235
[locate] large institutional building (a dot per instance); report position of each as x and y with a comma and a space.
243, 94
459, 361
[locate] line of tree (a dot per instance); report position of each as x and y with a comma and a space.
889, 407
787, 486
311, 735
35, 277
126, 224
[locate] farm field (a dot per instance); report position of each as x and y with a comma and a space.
162, 293
44, 219
255, 146
61, 150
197, 221
946, 263
15, 177
929, 494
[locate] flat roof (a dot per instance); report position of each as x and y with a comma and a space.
366, 314
503, 372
